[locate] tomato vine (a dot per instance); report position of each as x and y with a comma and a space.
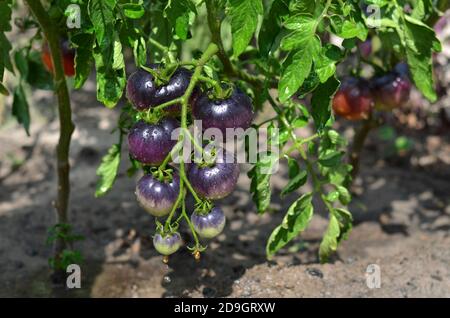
303, 59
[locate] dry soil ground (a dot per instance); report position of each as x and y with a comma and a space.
402, 218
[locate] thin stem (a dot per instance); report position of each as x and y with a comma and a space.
358, 143
158, 45
213, 83
191, 226
214, 24
194, 142
166, 104
295, 145
175, 207
166, 160
190, 188
66, 125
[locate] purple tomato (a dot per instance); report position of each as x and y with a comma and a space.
209, 225
157, 196
215, 180
235, 111
167, 244
151, 143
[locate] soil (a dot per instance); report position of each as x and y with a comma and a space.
401, 211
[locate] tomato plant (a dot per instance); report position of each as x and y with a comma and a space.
255, 55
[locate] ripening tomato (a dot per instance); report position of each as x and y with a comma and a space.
68, 55
354, 100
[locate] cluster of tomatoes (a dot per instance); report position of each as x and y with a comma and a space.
151, 143
357, 96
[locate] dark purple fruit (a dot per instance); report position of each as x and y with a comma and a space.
209, 225
167, 244
141, 89
233, 112
216, 180
175, 88
143, 92
392, 90
150, 144
157, 197
353, 100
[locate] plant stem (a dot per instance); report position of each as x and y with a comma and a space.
213, 83
207, 55
175, 207
194, 142
158, 45
191, 190
67, 127
164, 105
358, 143
214, 24
191, 227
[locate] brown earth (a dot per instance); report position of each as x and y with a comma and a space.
402, 216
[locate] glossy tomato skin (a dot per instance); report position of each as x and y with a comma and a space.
391, 91
143, 92
167, 244
217, 180
209, 225
68, 55
175, 88
157, 197
233, 112
150, 144
353, 100
140, 89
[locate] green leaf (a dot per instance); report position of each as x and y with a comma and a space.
295, 183
325, 65
339, 227
5, 15
38, 76
110, 66
260, 180
345, 223
294, 222
21, 62
339, 175
351, 29
178, 13
140, 51
101, 13
107, 171
133, 10
344, 195
5, 48
271, 27
330, 239
304, 6
297, 67
321, 102
84, 59
301, 23
20, 108
330, 158
161, 31
244, 21
3, 90
421, 42
293, 167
